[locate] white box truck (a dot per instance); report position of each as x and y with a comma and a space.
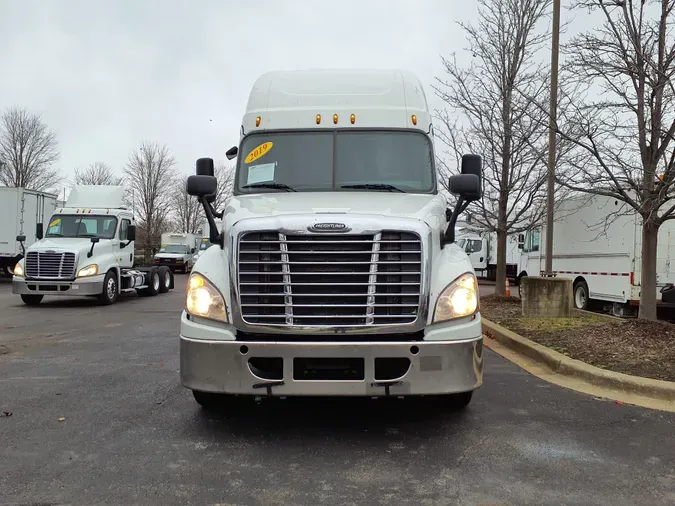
336, 272
597, 242
88, 249
177, 251
23, 213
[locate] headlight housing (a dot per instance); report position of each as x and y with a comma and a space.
89, 270
18, 270
203, 299
458, 299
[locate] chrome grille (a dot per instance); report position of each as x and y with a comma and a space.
329, 279
43, 265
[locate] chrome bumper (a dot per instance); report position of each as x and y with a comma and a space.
88, 286
436, 367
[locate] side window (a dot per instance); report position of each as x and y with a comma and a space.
535, 240
123, 229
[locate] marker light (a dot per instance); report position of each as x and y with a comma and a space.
257, 121
414, 119
352, 118
318, 119
335, 118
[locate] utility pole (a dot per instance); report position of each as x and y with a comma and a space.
553, 117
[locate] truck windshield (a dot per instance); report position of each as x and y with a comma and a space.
174, 248
63, 225
336, 161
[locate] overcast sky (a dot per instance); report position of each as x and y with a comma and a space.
108, 74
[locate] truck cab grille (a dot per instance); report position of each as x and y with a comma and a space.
329, 279
43, 265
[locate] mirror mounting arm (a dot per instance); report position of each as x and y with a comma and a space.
214, 236
449, 236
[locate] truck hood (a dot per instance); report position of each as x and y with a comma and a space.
426, 208
77, 244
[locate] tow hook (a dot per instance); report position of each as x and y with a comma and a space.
268, 385
387, 385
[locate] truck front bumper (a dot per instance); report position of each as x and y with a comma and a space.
85, 286
399, 368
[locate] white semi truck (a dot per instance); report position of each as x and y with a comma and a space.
24, 213
336, 271
88, 249
481, 246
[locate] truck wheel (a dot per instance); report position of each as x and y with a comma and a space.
154, 282
165, 277
581, 294
214, 402
460, 400
109, 294
31, 300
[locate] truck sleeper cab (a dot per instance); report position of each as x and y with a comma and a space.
336, 272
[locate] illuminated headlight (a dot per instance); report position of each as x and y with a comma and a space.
89, 270
18, 270
460, 298
203, 299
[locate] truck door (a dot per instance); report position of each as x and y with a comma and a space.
477, 249
125, 255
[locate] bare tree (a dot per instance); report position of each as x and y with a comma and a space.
28, 150
225, 175
150, 177
187, 209
98, 173
625, 124
496, 110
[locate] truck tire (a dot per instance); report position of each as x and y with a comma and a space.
110, 292
460, 400
216, 402
165, 278
154, 282
581, 294
31, 300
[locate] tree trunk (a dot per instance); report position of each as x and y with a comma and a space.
650, 231
500, 286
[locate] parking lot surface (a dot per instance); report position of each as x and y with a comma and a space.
98, 417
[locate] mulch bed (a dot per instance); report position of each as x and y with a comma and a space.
640, 348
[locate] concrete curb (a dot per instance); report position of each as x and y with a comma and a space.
561, 364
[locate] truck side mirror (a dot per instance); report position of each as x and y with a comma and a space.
232, 152
39, 232
131, 233
201, 186
466, 186
204, 167
20, 238
192, 251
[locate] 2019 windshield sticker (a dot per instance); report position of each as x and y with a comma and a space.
259, 152
55, 222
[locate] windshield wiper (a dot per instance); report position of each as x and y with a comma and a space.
54, 235
274, 186
387, 187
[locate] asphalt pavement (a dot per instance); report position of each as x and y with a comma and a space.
98, 417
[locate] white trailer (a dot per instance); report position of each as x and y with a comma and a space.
481, 247
597, 242
23, 213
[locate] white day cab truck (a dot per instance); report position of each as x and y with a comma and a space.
177, 251
597, 243
481, 247
88, 249
336, 272
24, 213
